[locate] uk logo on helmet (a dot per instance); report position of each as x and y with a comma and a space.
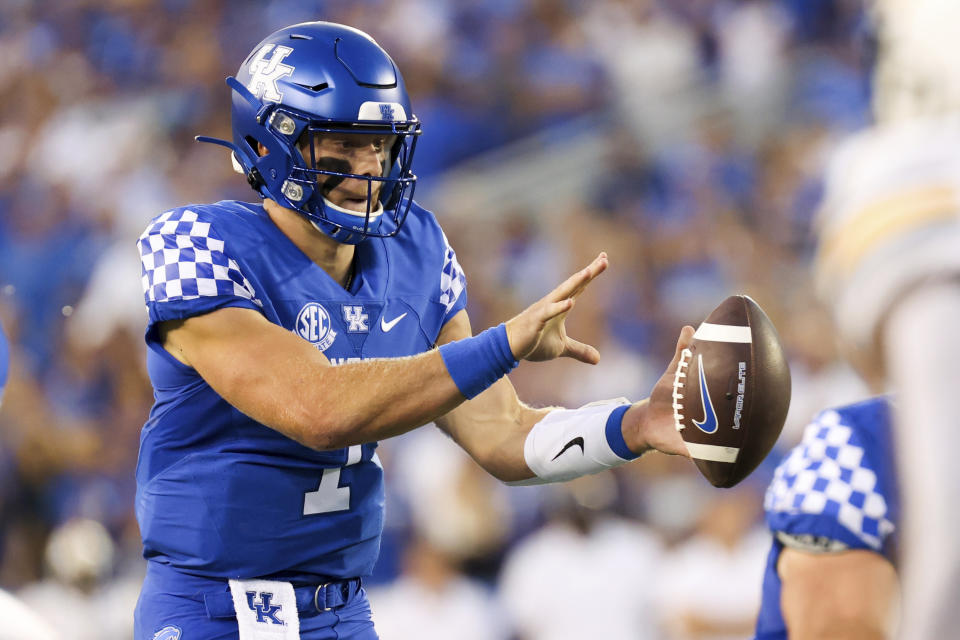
392, 111
314, 326
264, 72
387, 112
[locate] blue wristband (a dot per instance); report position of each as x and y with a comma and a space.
614, 433
476, 363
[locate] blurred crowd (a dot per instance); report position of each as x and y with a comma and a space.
685, 138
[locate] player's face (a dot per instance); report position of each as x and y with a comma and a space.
360, 154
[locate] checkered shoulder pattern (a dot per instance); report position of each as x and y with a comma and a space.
826, 475
184, 258
452, 280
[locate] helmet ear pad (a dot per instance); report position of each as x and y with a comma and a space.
278, 161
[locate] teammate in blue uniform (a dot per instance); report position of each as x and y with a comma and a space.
260, 494
832, 508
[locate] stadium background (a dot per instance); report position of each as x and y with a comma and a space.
686, 138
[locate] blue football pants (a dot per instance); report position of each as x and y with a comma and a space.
172, 607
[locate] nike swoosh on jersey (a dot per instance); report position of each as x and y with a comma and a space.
578, 441
709, 422
386, 326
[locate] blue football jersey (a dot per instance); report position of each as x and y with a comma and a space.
221, 495
836, 489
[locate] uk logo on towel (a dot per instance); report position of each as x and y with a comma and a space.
266, 611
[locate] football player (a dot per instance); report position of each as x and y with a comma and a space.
889, 264
260, 494
832, 508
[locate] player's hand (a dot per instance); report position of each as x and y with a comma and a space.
538, 333
649, 424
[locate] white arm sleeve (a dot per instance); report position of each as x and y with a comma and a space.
922, 354
569, 443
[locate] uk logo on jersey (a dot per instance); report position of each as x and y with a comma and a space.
264, 72
355, 318
265, 610
314, 326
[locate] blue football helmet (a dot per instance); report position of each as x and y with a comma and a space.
314, 79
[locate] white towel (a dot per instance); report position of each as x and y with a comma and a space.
266, 610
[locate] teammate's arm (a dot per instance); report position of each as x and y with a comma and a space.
846, 595
493, 427
284, 382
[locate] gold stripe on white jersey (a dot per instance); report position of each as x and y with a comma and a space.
845, 246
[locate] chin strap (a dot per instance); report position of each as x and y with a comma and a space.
344, 236
350, 212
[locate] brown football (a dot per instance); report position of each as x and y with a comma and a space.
731, 391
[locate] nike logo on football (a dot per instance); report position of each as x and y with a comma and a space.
709, 422
578, 441
386, 326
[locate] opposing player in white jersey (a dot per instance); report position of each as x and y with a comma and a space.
259, 491
889, 264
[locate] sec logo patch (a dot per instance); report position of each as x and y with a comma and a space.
314, 326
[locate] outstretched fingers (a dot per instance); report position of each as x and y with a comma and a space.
581, 351
572, 286
555, 309
538, 333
